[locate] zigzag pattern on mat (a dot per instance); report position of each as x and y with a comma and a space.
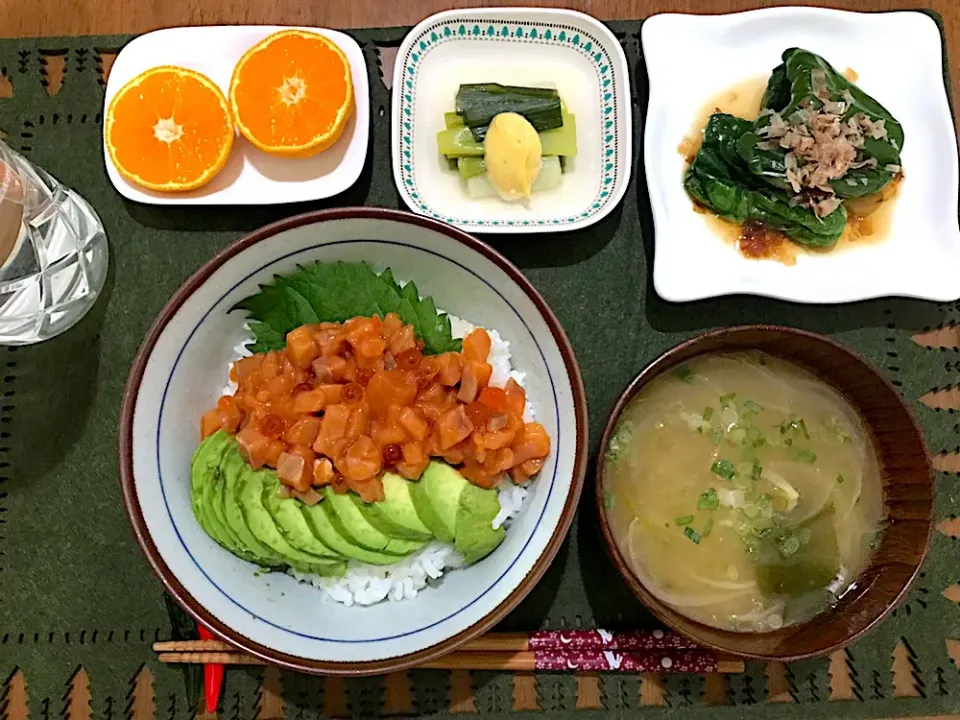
397, 696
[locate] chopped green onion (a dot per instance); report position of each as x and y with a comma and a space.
807, 456
622, 436
727, 400
692, 534
683, 520
708, 500
685, 374
751, 406
803, 427
788, 546
708, 528
716, 436
756, 472
607, 499
840, 479
738, 436
707, 413
761, 533
723, 468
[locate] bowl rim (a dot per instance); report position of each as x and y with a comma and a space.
168, 577
662, 363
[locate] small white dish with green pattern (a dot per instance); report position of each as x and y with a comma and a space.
516, 46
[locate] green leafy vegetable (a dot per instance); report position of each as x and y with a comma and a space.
719, 180
683, 520
723, 468
807, 456
336, 292
692, 534
790, 89
708, 500
840, 479
716, 435
751, 406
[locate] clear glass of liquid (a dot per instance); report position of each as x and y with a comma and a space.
53, 253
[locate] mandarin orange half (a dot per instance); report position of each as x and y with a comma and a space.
292, 93
169, 129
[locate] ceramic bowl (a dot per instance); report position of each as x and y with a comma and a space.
907, 487
180, 371
251, 176
515, 46
692, 58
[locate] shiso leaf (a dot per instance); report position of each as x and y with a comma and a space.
336, 292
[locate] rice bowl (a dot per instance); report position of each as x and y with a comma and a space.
177, 376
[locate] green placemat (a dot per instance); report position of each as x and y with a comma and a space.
79, 607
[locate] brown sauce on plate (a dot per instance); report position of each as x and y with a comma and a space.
868, 218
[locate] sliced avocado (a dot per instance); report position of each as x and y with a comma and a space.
395, 515
250, 496
436, 498
293, 525
233, 468
203, 467
475, 536
204, 482
318, 518
355, 527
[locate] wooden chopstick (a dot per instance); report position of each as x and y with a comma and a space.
521, 661
492, 642
634, 641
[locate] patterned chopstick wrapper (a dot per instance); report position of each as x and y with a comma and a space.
632, 651
673, 661
606, 640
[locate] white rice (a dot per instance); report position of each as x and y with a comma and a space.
367, 584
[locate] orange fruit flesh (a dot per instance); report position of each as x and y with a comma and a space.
293, 93
170, 129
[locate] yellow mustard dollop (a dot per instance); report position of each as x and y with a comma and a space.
512, 153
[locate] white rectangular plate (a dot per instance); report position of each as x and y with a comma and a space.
516, 46
251, 176
897, 55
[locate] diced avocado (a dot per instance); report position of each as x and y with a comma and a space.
293, 525
261, 524
233, 468
318, 518
436, 498
395, 515
475, 537
352, 525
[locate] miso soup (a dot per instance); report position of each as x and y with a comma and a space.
743, 491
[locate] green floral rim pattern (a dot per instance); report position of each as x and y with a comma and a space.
537, 33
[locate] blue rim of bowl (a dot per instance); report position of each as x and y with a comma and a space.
537, 33
309, 665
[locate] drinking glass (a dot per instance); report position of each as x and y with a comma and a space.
53, 253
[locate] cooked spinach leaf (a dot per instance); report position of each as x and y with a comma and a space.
720, 180
791, 88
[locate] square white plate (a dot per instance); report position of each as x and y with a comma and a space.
251, 176
690, 58
517, 46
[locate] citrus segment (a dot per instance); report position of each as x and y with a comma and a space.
292, 93
169, 129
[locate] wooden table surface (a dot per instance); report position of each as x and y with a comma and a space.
29, 18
